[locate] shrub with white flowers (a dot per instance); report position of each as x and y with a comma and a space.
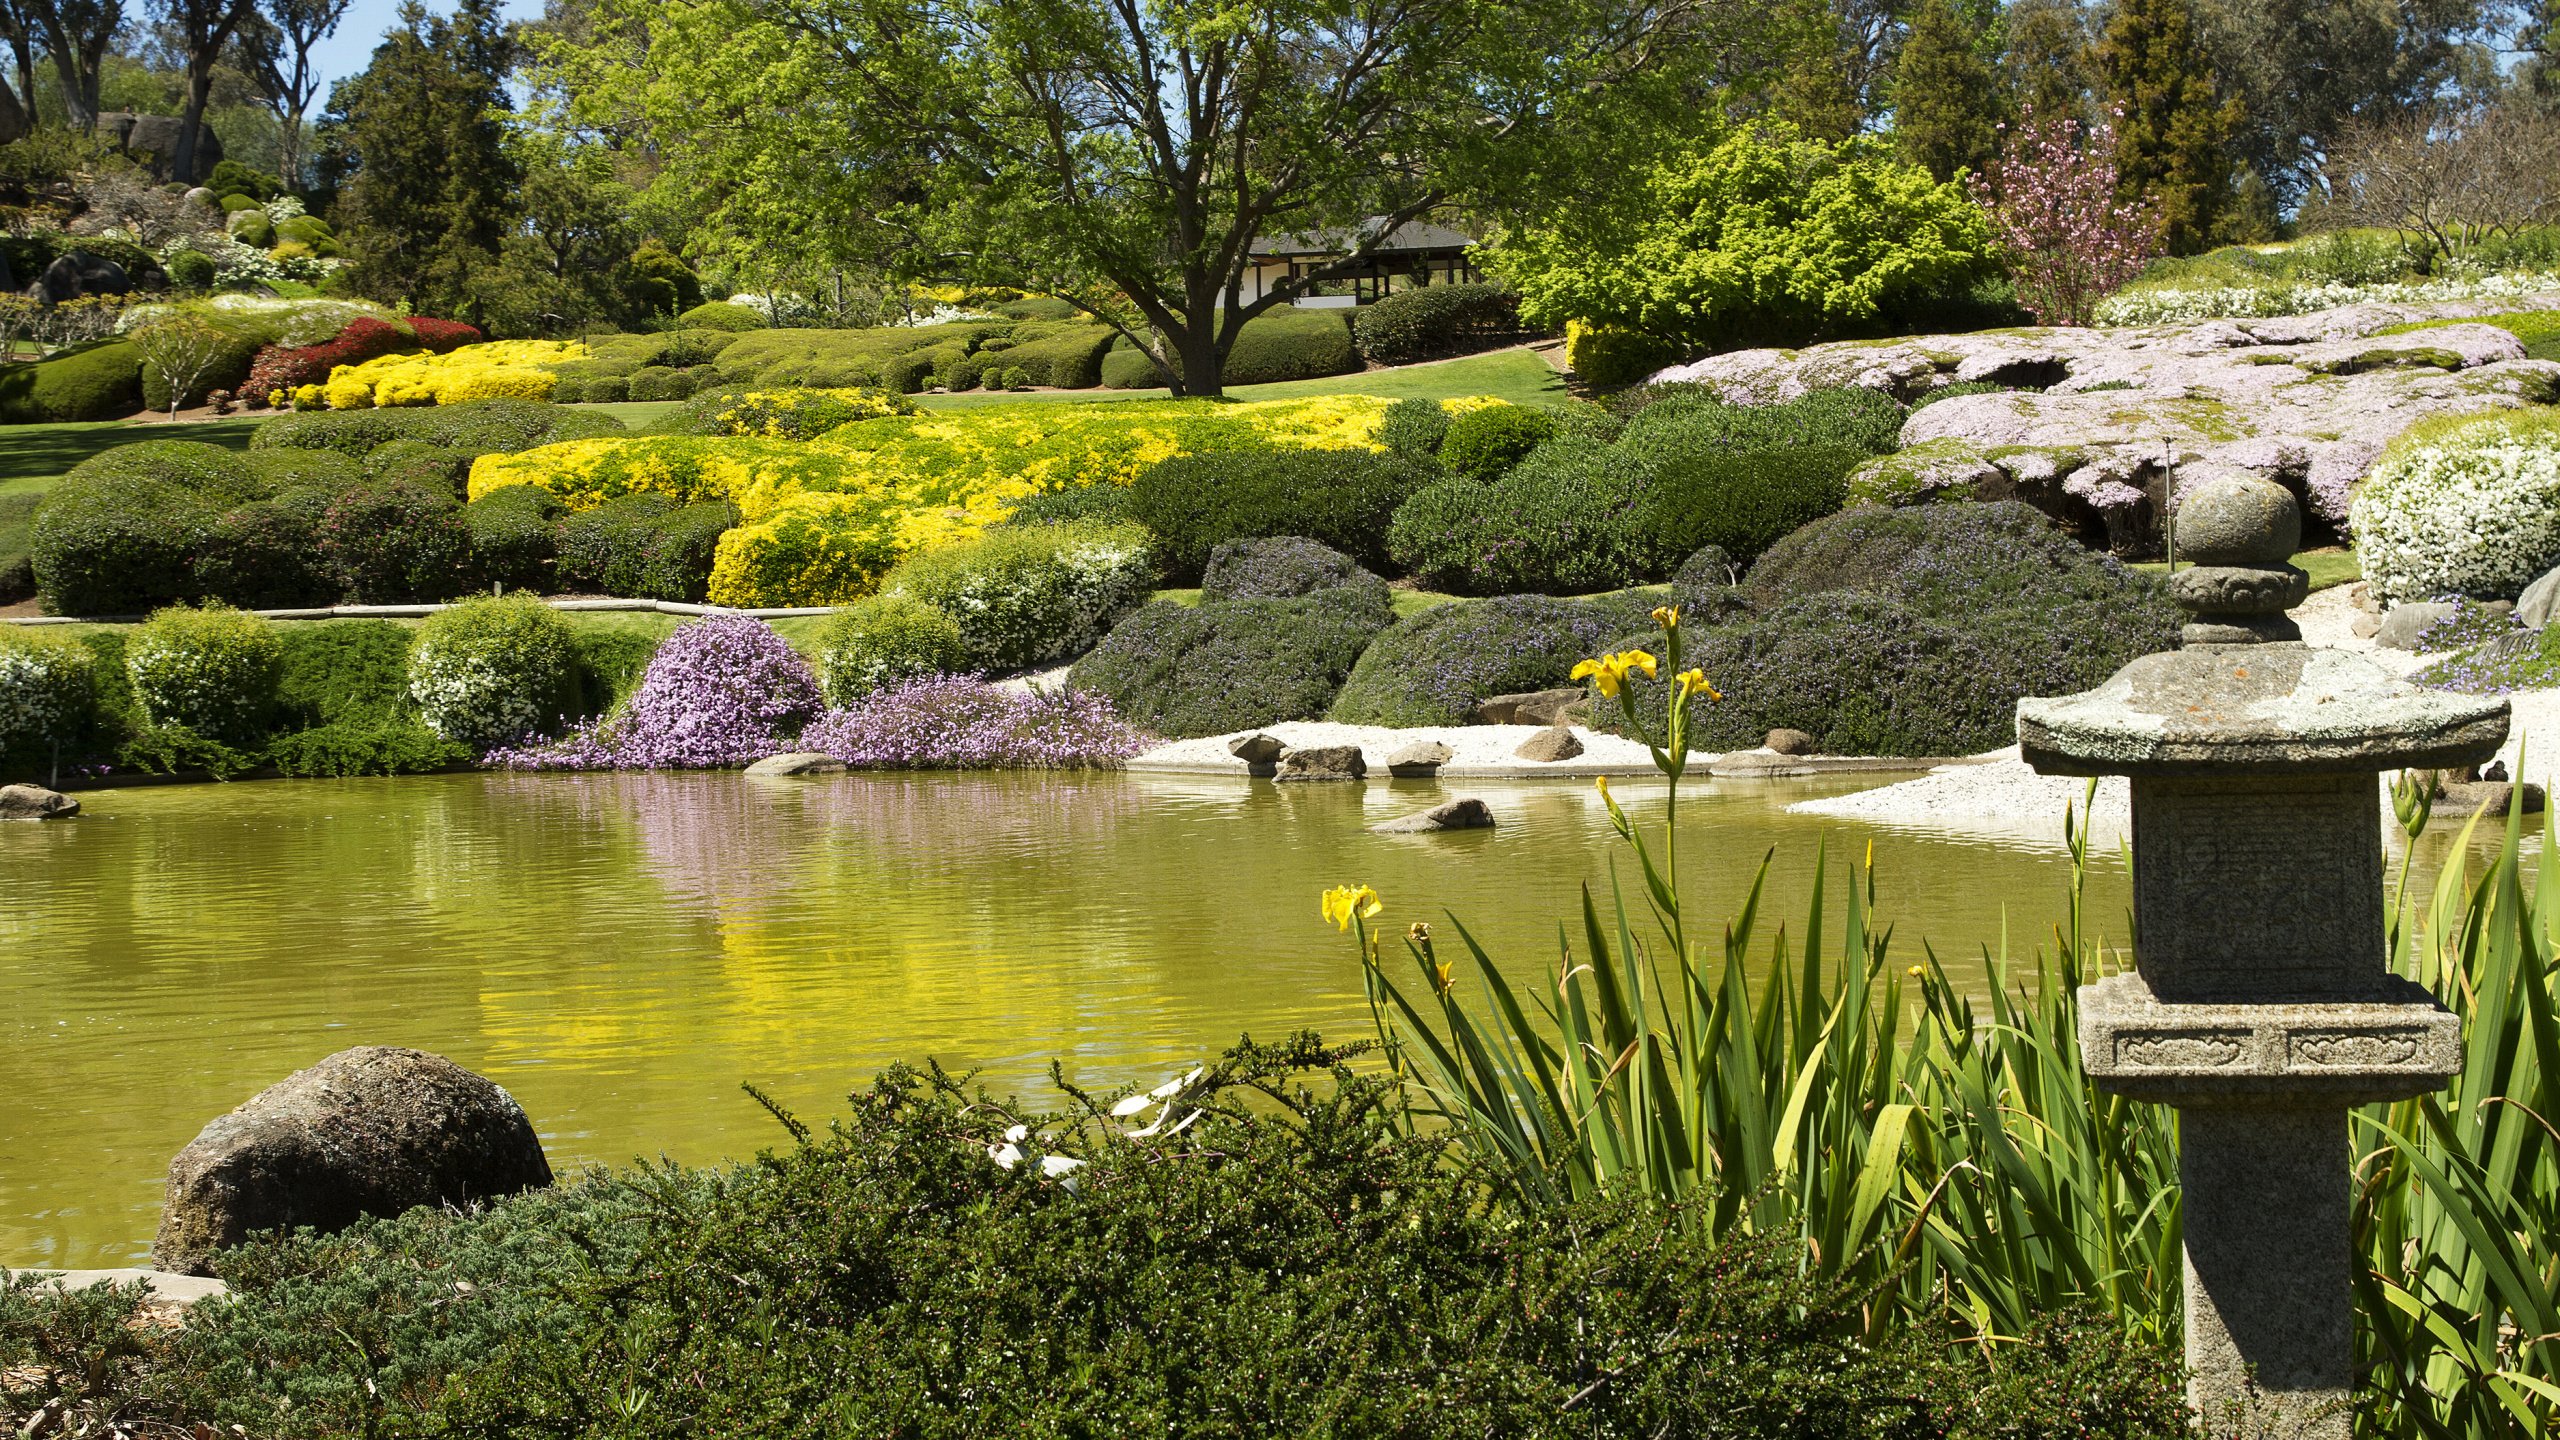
494, 671
213, 671
1042, 592
2187, 305
46, 687
2468, 505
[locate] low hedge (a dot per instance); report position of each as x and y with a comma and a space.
882, 642
121, 533
1282, 343
721, 315
266, 556
1487, 441
433, 468
515, 538
642, 546
1432, 668
101, 380
1436, 320
1232, 664
1413, 430
1742, 502
1341, 498
1668, 422
1023, 596
396, 542
477, 427
1066, 354
1567, 520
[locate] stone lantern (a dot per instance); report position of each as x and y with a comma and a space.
2262, 1006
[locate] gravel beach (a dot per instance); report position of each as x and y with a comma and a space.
1479, 750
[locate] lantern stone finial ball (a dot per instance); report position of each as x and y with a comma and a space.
2237, 521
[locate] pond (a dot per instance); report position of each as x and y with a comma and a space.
621, 951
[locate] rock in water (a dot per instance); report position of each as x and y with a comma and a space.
1324, 762
371, 1131
1466, 812
34, 802
800, 763
1256, 749
1422, 759
1791, 742
1550, 745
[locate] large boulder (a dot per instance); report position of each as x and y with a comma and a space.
2305, 401
34, 802
79, 273
157, 136
376, 1130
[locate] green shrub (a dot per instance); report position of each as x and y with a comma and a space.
1432, 668
794, 414
721, 315
1107, 503
1130, 369
884, 641
431, 468
514, 537
212, 671
1413, 430
292, 472
191, 270
1282, 567
1483, 443
397, 543
1915, 632
606, 390
121, 533
1341, 498
600, 549
229, 368
1066, 355
1564, 521
1233, 664
1027, 595
48, 698
1606, 355
833, 359
1668, 422
675, 560
101, 380
494, 670
266, 555
1287, 343
656, 382
1436, 320
1741, 501
17, 545
344, 708
474, 427
568, 388
610, 666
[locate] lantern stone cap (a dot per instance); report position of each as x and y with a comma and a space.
2266, 709
2396, 1043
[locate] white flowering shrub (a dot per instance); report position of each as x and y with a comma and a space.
46, 687
213, 671
885, 641
2187, 305
1039, 593
493, 672
2462, 506
283, 208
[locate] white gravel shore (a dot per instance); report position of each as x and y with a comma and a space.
1476, 749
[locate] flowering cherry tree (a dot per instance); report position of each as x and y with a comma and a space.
2051, 200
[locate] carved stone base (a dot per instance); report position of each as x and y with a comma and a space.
2400, 1044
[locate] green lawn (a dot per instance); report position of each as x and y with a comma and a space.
1514, 375
35, 456
2325, 567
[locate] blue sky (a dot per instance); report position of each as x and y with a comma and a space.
346, 52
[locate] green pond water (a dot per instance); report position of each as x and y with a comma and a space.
621, 951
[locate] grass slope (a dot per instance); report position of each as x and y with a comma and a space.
1514, 375
35, 456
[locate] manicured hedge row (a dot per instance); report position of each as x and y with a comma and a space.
1436, 320
1282, 343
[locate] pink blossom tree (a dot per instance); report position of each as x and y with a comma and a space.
2051, 200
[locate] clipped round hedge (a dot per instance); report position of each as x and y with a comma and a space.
1341, 498
396, 542
1413, 429
721, 315
266, 556
100, 380
213, 671
475, 427
1567, 520
1674, 421
1435, 320
1432, 668
494, 670
1488, 441
600, 549
514, 535
1742, 502
881, 642
1233, 664
121, 533
1021, 596
1282, 567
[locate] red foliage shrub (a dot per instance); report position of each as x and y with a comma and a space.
278, 368
444, 336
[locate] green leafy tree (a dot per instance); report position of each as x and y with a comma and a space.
1946, 102
560, 267
2045, 60
2172, 127
1126, 157
2306, 70
1766, 236
433, 192
275, 48
77, 34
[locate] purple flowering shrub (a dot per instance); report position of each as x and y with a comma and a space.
724, 690
2497, 654
958, 722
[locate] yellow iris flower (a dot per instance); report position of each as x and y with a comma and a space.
1612, 669
1666, 616
1694, 682
1343, 902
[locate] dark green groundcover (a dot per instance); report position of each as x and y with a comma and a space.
1294, 1264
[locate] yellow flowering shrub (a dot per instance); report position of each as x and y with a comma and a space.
801, 414
501, 369
824, 520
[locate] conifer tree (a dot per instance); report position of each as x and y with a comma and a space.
2171, 127
433, 194
1946, 104
2046, 59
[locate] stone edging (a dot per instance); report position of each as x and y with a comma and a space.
420, 612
